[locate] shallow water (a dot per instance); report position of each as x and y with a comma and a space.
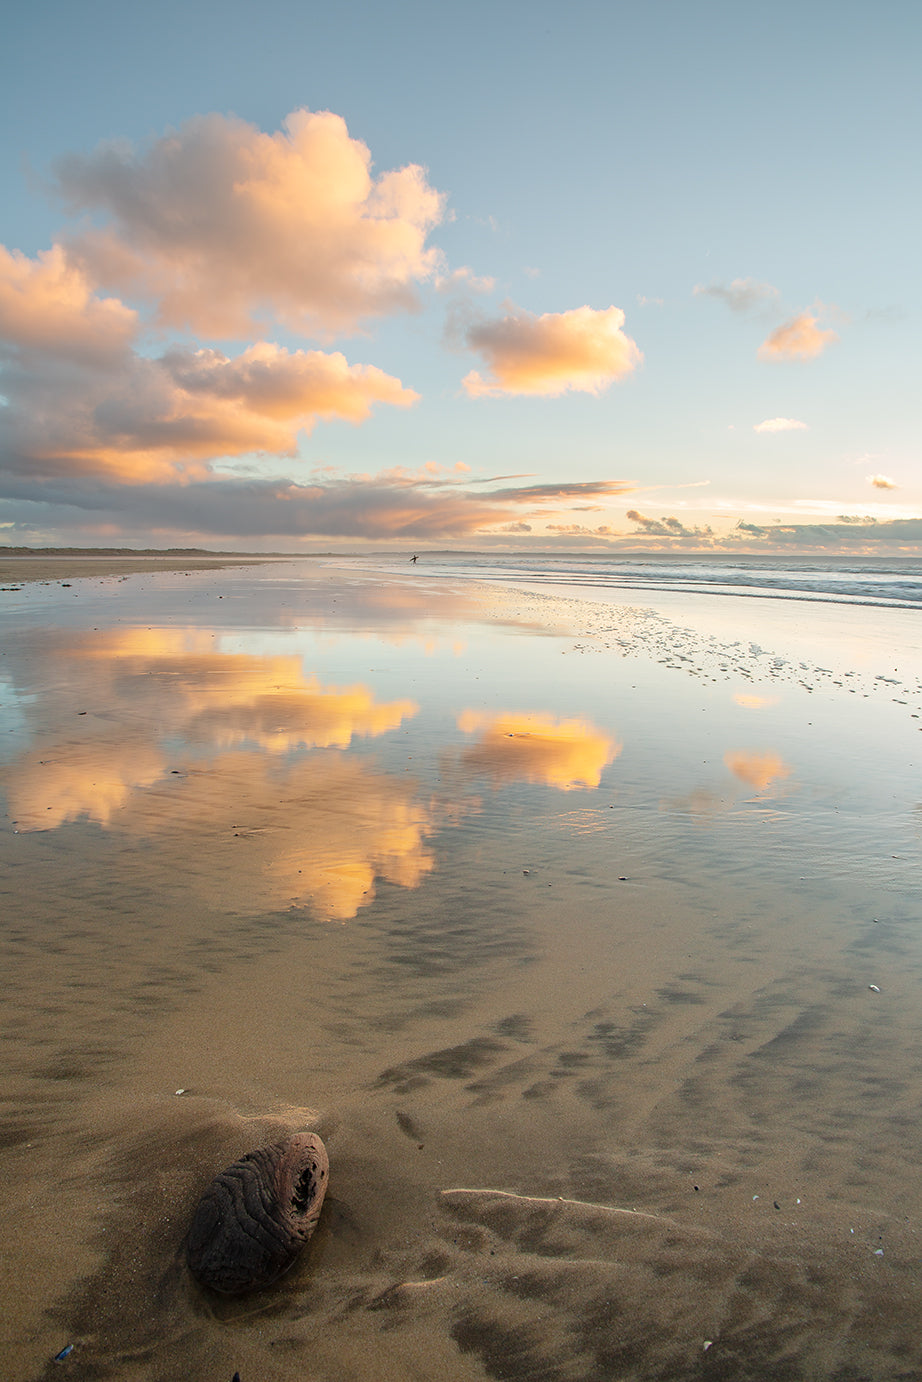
538, 909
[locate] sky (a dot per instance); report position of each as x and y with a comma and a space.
602, 277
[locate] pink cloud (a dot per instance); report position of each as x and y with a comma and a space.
48, 305
222, 225
583, 350
797, 339
80, 401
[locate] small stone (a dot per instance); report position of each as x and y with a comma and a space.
257, 1215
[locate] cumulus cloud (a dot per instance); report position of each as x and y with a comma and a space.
581, 530
882, 482
798, 339
48, 306
583, 350
221, 224
667, 527
740, 295
142, 419
780, 424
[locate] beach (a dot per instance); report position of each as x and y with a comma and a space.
580, 920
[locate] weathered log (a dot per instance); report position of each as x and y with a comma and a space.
256, 1216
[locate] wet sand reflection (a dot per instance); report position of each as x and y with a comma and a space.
211, 762
567, 754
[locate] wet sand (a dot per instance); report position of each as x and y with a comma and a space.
562, 938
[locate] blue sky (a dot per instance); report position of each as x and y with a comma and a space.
653, 286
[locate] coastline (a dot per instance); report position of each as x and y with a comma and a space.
65, 565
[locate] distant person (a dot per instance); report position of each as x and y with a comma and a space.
414, 560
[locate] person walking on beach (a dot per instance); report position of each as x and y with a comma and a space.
414, 560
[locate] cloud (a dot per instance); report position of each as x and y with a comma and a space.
569, 489
148, 419
463, 281
667, 527
797, 339
780, 424
580, 530
48, 306
583, 350
221, 224
81, 400
882, 482
740, 295
846, 532
382, 507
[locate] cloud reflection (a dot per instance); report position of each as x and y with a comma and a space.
759, 770
315, 832
566, 754
73, 780
231, 764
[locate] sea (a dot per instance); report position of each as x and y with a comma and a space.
890, 581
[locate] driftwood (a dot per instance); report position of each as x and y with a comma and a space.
256, 1216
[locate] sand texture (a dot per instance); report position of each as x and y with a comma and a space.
63, 566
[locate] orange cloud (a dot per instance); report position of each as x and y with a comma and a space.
140, 419
583, 350
882, 482
754, 702
48, 305
797, 339
537, 748
760, 770
221, 224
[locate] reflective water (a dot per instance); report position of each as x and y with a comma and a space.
589, 903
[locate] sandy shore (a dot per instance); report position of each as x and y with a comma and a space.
595, 967
14, 570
